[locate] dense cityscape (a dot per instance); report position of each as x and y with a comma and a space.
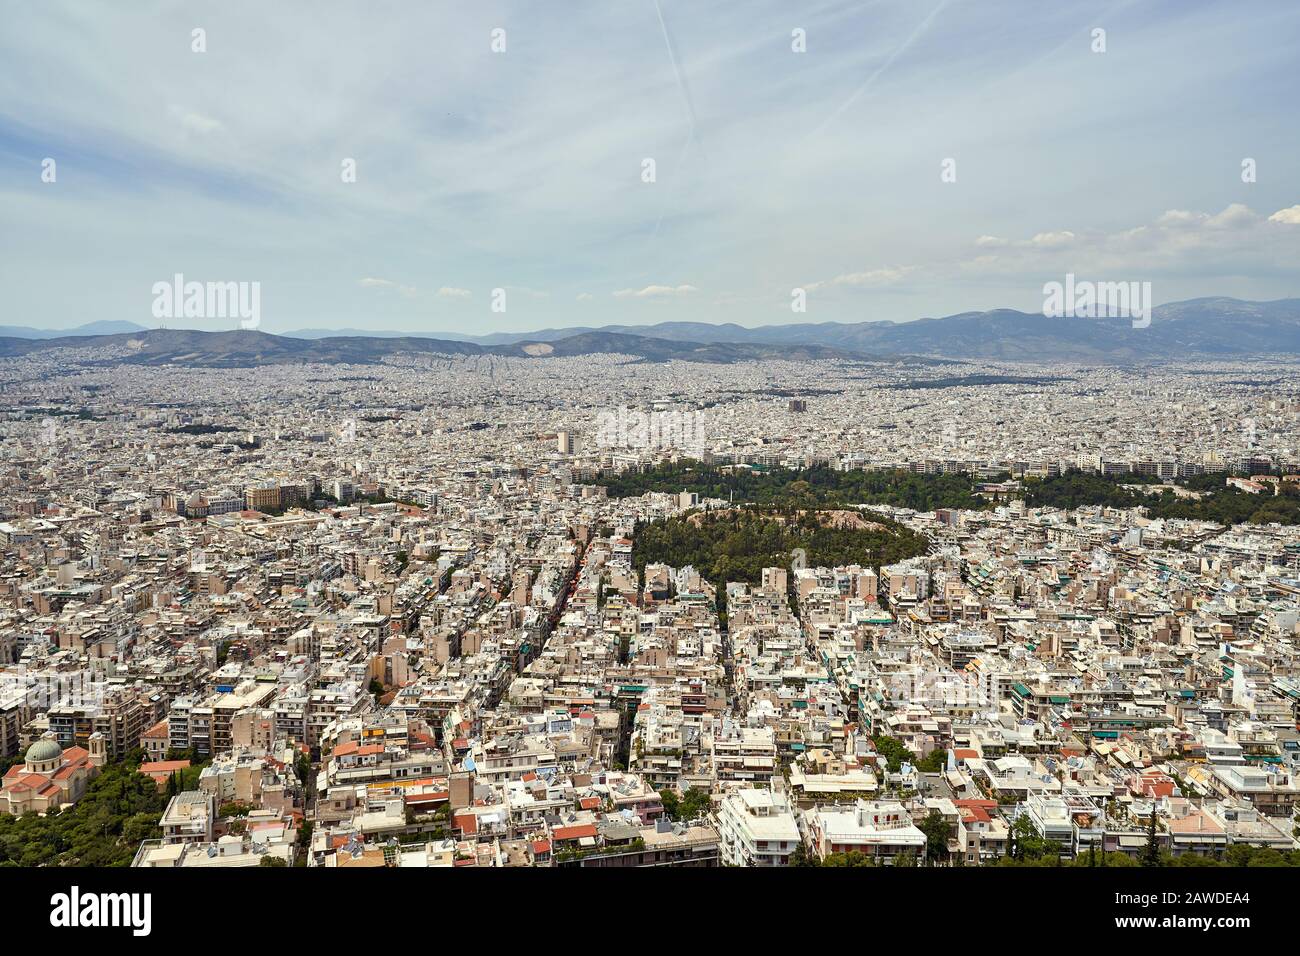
436, 612
667, 437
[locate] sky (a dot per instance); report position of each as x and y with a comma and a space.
915, 158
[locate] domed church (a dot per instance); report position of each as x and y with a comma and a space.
50, 776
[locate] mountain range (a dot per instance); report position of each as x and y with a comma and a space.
90, 328
247, 348
1197, 328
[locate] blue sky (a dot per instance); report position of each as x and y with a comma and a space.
522, 170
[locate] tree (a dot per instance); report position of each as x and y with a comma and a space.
271, 861
938, 832
691, 805
1151, 852
853, 858
1105, 859
1022, 832
1028, 848
119, 809
892, 749
800, 856
934, 762
304, 843
1267, 856
140, 827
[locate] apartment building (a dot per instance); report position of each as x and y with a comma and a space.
757, 827
882, 830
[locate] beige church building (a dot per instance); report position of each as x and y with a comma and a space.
50, 776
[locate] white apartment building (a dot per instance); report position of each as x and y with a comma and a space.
879, 828
189, 818
1050, 816
757, 828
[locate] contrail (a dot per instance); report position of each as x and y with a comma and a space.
681, 80
921, 27
685, 90
1070, 38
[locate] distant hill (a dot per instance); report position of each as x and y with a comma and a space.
1197, 328
245, 348
90, 328
1210, 327
662, 350
387, 334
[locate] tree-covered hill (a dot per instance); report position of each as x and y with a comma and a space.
1219, 503
736, 544
817, 487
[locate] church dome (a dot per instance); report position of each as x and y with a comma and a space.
43, 750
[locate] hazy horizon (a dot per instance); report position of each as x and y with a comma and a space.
226, 325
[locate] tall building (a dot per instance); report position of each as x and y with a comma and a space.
264, 496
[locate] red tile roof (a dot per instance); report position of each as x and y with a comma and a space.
575, 832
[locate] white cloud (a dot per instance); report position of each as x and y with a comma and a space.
585, 297
1289, 216
1174, 218
1236, 216
656, 292
1228, 243
1235, 241
1053, 239
884, 276
451, 292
